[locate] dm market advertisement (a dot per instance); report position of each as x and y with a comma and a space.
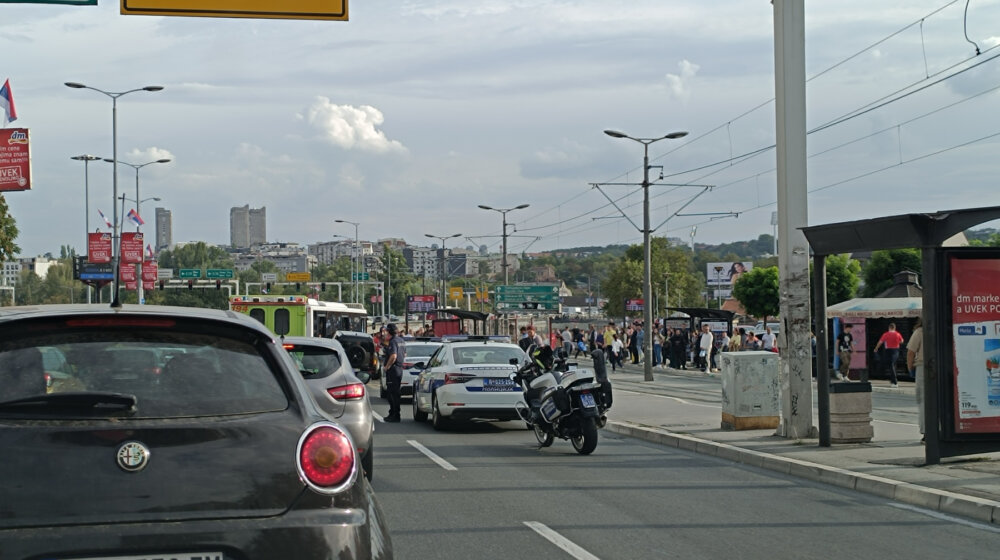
976, 334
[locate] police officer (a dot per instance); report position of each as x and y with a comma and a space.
393, 371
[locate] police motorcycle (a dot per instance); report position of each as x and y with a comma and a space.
560, 400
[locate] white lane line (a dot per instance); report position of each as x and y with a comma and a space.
432, 456
893, 422
678, 399
560, 541
946, 517
378, 416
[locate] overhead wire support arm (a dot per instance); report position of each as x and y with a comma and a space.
615, 204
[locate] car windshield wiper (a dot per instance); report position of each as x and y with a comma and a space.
75, 401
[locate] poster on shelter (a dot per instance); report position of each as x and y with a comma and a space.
15, 160
975, 300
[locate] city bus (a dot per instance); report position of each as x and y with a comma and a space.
301, 315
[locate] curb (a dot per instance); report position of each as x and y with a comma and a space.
978, 509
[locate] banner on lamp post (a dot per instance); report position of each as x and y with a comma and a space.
150, 273
126, 275
131, 247
99, 247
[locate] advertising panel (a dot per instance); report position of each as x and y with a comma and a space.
725, 273
149, 272
131, 247
126, 275
420, 304
633, 305
15, 160
99, 247
975, 319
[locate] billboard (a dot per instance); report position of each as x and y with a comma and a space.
15, 160
975, 330
725, 273
99, 247
131, 248
420, 304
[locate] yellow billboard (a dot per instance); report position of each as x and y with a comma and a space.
297, 277
262, 9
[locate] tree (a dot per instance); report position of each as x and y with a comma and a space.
992, 241
757, 291
884, 264
842, 278
8, 233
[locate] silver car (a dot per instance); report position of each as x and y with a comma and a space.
337, 390
417, 352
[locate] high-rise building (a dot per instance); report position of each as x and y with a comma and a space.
164, 229
247, 226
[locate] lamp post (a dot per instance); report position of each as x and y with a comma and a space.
115, 252
503, 212
444, 275
138, 203
647, 287
86, 159
356, 269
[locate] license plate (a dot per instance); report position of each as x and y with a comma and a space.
588, 400
497, 384
184, 556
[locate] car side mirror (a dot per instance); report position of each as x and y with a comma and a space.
420, 365
514, 362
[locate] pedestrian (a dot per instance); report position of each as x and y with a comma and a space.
705, 343
736, 342
845, 349
657, 347
393, 371
915, 363
535, 338
678, 349
891, 341
601, 372
752, 343
524, 342
609, 332
617, 349
726, 342
768, 341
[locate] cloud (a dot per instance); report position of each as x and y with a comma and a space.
350, 127
679, 85
139, 157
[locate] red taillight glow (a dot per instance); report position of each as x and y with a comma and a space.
327, 458
456, 378
288, 346
347, 392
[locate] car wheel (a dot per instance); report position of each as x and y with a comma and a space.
368, 463
439, 422
418, 415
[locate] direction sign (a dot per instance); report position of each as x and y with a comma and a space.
165, 273
219, 273
262, 9
528, 293
190, 273
360, 276
269, 277
297, 276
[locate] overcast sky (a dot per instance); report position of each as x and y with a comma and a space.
410, 115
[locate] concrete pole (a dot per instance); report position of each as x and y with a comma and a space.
793, 252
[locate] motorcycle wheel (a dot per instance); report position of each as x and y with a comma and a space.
544, 438
586, 443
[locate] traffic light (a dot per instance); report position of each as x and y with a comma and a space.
267, 287
298, 286
190, 284
322, 286
218, 284
161, 284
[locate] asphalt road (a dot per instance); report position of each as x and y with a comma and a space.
486, 491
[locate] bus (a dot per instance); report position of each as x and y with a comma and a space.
301, 315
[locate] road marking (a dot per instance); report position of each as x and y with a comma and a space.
678, 399
891, 422
560, 541
377, 416
945, 517
432, 456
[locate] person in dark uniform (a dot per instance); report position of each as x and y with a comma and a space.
393, 371
601, 372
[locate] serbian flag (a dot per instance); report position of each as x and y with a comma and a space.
105, 218
134, 216
7, 102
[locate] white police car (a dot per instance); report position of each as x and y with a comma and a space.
469, 379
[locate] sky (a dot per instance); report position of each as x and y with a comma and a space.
410, 115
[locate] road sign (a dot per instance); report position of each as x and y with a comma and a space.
190, 273
165, 273
297, 276
261, 9
360, 276
455, 292
219, 273
528, 293
269, 277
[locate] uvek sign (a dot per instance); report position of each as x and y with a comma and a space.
99, 247
15, 160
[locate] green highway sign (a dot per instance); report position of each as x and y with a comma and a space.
360, 276
528, 293
190, 273
219, 273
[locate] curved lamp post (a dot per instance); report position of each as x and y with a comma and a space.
444, 275
647, 287
86, 159
356, 269
503, 211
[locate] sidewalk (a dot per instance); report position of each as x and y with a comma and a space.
890, 466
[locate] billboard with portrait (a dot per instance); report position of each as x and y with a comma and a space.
725, 273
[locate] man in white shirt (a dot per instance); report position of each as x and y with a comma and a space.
768, 341
705, 348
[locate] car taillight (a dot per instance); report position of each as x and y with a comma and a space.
407, 365
349, 392
326, 458
456, 378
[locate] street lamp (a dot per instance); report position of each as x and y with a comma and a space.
444, 275
86, 159
356, 261
647, 287
138, 203
115, 252
504, 211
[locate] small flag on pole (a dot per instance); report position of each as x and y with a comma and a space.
7, 103
105, 218
149, 250
134, 216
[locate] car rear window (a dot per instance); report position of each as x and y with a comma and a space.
172, 373
414, 350
315, 361
486, 354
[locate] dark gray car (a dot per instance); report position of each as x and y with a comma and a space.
337, 389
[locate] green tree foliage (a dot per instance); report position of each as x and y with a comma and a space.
625, 279
843, 274
757, 291
8, 233
992, 240
883, 264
